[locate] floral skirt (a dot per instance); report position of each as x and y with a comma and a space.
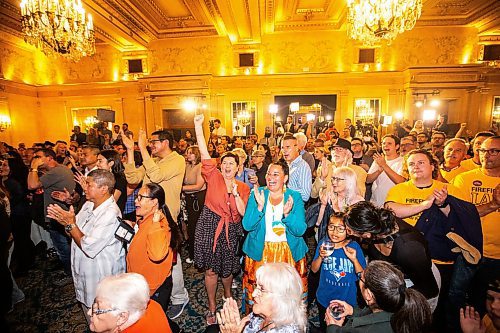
273, 252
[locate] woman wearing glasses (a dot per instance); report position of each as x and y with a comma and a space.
342, 193
219, 226
278, 306
275, 221
122, 304
153, 247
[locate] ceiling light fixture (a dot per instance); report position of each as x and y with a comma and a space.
375, 21
58, 27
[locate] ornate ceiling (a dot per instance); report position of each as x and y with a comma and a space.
130, 25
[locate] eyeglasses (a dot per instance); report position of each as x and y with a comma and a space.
337, 179
339, 228
140, 197
259, 288
96, 311
492, 152
152, 141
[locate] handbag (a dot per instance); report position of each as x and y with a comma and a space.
312, 213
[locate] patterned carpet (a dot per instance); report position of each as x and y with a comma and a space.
48, 308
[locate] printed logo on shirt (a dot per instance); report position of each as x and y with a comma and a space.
477, 183
338, 267
278, 228
338, 274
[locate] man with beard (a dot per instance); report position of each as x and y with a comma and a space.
268, 139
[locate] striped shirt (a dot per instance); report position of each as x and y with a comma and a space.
300, 178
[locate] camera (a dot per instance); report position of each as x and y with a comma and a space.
67, 153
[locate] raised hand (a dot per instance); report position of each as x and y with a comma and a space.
259, 198
325, 166
470, 321
379, 159
128, 142
81, 179
288, 206
142, 140
198, 119
234, 189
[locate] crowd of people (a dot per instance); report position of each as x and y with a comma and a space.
404, 226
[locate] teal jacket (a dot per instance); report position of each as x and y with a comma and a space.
254, 222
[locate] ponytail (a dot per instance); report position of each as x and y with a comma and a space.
414, 315
411, 312
175, 232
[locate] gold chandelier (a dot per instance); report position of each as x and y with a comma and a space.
244, 118
58, 27
374, 21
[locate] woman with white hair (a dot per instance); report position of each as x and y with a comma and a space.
342, 193
278, 306
122, 304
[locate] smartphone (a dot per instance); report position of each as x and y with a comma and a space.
251, 173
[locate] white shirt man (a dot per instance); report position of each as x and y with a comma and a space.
386, 170
95, 252
218, 129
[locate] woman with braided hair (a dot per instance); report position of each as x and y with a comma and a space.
391, 307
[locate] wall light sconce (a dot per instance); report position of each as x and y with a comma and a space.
398, 115
4, 123
429, 115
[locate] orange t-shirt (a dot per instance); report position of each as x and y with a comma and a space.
153, 321
150, 254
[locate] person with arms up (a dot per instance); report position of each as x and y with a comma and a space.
219, 226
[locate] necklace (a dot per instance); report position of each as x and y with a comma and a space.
449, 169
266, 326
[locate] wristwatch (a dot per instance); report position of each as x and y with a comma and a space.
69, 227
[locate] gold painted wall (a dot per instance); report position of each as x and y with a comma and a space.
36, 87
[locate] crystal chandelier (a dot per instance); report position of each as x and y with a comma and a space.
244, 118
374, 21
58, 27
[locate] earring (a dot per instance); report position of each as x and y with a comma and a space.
284, 188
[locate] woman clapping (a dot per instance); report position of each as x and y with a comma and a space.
275, 220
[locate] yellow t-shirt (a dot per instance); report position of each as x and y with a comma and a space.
409, 194
488, 324
469, 164
449, 175
479, 188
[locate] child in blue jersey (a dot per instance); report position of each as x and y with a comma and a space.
339, 270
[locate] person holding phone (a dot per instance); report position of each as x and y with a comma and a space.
257, 175
275, 221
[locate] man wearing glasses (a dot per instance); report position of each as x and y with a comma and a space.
483, 186
164, 167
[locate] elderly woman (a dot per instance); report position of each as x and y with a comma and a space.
275, 221
393, 240
278, 304
194, 188
122, 304
338, 197
391, 307
151, 251
219, 226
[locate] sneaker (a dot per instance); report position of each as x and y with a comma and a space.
63, 281
189, 261
175, 310
211, 319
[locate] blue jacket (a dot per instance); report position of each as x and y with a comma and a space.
463, 220
254, 222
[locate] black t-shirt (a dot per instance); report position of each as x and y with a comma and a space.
411, 254
121, 185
